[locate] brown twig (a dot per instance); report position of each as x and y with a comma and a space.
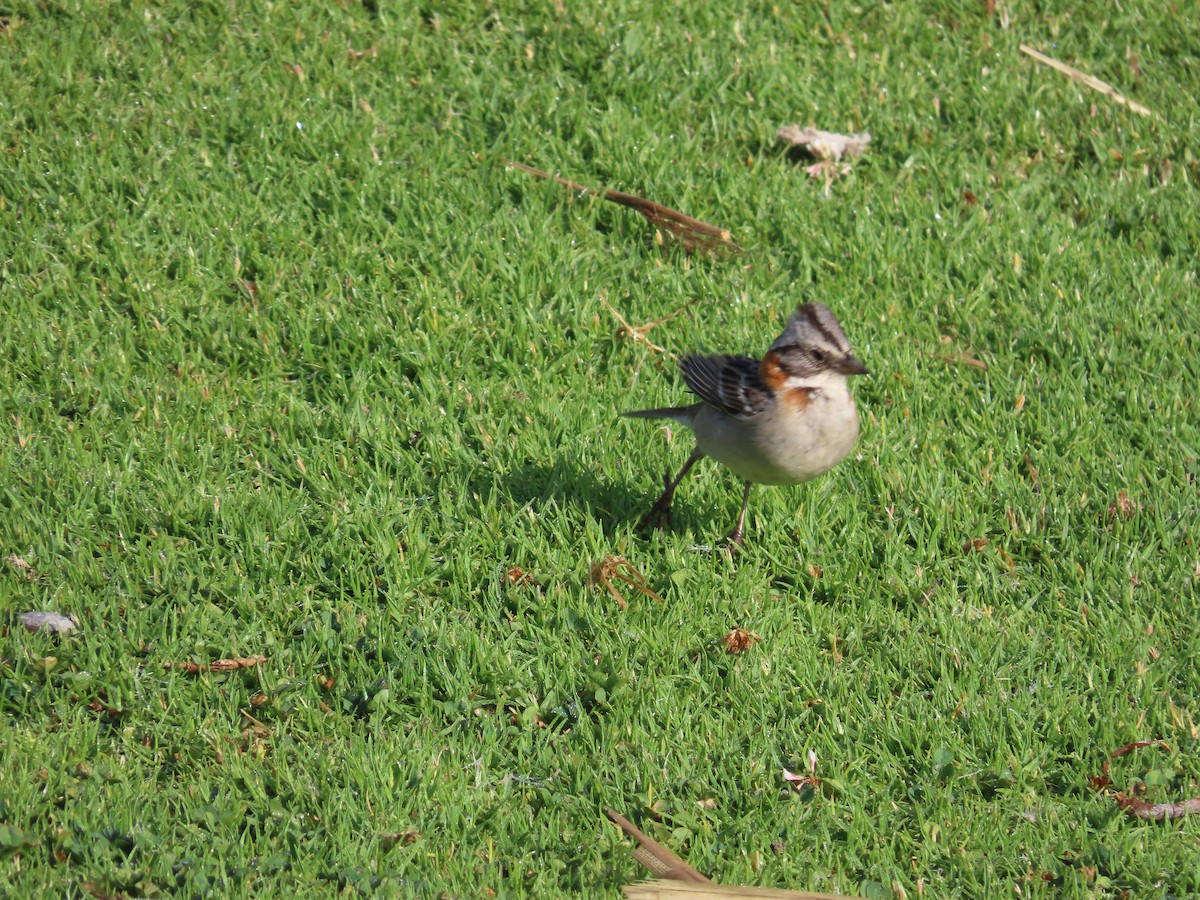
682, 890
220, 665
1136, 806
692, 233
638, 333
653, 855
1090, 80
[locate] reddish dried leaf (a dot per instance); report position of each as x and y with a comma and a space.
248, 287
800, 782
739, 640
391, 839
1122, 507
518, 577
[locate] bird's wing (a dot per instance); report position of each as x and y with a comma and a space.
730, 383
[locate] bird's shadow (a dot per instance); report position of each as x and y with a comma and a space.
604, 496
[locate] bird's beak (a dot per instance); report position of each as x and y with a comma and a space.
848, 365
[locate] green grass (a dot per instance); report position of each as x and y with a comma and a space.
293, 366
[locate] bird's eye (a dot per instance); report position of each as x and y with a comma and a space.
818, 355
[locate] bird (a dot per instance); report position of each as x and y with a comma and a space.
780, 420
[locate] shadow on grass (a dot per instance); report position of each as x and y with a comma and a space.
563, 483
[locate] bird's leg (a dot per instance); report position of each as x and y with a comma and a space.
735, 536
659, 515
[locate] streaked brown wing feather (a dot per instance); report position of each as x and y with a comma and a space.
730, 383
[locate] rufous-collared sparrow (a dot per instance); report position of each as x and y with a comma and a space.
784, 419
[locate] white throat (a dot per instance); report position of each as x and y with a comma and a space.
827, 381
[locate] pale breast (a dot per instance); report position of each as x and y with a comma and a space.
788, 443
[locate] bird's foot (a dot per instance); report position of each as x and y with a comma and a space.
734, 541
659, 515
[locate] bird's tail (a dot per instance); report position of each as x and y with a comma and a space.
683, 414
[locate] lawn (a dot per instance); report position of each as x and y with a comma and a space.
295, 369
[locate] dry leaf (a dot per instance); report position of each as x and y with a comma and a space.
1122, 506
827, 146
391, 839
603, 573
800, 782
518, 577
963, 360
739, 640
220, 665
48, 621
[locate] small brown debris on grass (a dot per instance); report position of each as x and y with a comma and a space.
961, 359
389, 840
1136, 806
99, 704
638, 332
94, 890
220, 665
603, 573
1122, 507
739, 640
247, 287
1031, 470
51, 622
26, 570
518, 577
799, 782
691, 233
978, 545
1090, 80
